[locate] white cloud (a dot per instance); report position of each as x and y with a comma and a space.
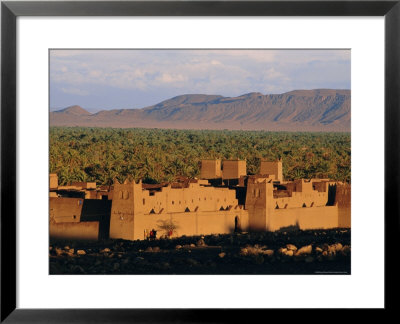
75, 91
225, 72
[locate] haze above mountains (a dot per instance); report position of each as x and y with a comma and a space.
298, 110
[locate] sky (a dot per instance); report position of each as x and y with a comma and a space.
114, 79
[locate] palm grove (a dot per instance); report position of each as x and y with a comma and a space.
158, 155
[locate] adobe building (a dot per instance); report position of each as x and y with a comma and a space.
263, 202
272, 169
78, 211
302, 204
191, 208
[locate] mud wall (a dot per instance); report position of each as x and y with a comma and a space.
75, 231
193, 223
304, 218
64, 210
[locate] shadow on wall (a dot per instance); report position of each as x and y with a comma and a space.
331, 195
95, 210
167, 227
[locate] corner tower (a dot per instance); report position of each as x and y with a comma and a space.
125, 203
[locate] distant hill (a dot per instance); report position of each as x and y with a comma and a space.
299, 110
72, 110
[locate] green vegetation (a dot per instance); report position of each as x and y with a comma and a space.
156, 155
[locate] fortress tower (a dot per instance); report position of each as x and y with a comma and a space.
259, 202
125, 203
210, 169
233, 169
272, 168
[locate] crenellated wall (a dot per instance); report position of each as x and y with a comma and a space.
302, 204
193, 207
198, 209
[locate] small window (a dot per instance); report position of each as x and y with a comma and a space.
144, 201
125, 194
173, 202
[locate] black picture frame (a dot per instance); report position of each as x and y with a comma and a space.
10, 10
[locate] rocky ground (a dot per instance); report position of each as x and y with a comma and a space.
295, 252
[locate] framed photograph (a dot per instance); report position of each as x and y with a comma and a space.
229, 152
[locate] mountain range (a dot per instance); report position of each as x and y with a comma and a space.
298, 110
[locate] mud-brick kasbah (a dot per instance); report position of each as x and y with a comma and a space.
222, 200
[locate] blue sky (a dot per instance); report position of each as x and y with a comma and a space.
113, 79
